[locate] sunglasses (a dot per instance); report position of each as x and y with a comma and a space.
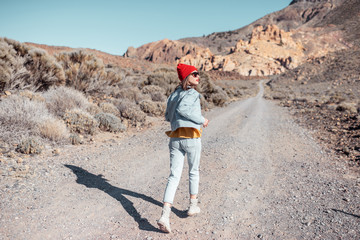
195, 74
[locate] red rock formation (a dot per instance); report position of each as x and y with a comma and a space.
269, 51
165, 51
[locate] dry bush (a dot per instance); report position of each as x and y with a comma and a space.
132, 93
32, 96
211, 92
45, 70
26, 67
79, 121
164, 78
130, 111
93, 109
54, 129
109, 122
153, 108
12, 69
109, 108
158, 97
236, 89
20, 118
30, 146
75, 139
87, 73
156, 93
148, 89
337, 98
347, 107
62, 99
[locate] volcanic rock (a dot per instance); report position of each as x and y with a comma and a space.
166, 51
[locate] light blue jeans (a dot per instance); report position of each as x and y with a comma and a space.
178, 148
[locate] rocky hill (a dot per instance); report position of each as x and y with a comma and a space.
271, 45
299, 13
164, 51
325, 91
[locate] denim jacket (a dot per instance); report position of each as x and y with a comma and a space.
183, 109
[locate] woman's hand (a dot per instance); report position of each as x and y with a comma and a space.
206, 123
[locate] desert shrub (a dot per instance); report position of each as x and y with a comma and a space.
279, 95
75, 139
347, 107
79, 121
109, 108
45, 70
148, 89
130, 111
336, 98
20, 118
153, 108
32, 95
29, 146
132, 93
164, 78
156, 93
211, 92
233, 92
83, 70
93, 109
109, 122
12, 69
62, 99
26, 67
114, 75
87, 73
54, 130
158, 97
218, 97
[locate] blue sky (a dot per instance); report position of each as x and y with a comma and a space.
112, 26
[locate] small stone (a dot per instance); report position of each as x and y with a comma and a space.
7, 93
20, 160
11, 155
56, 151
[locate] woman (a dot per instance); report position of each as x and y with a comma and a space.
183, 111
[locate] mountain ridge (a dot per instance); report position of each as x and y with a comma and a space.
299, 22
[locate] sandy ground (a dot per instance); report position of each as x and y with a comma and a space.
262, 177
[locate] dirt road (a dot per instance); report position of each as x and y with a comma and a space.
262, 177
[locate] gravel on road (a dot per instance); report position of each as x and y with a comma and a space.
262, 177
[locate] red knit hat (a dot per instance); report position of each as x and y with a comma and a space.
184, 70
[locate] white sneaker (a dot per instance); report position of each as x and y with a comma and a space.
164, 221
164, 225
193, 209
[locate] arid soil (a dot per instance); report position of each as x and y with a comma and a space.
324, 96
262, 177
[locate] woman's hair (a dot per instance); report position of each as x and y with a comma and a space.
185, 84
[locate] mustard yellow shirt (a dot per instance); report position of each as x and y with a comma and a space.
184, 132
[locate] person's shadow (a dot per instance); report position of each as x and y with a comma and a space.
97, 181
